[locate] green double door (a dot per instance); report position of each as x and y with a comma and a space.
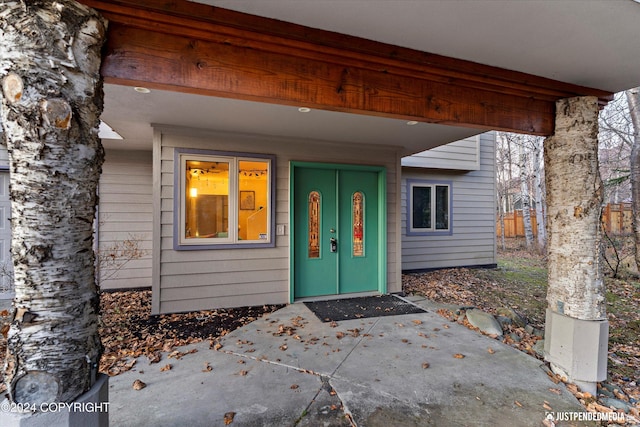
337, 231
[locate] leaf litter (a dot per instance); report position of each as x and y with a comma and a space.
520, 284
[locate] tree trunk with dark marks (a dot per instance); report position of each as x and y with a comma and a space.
633, 99
51, 102
574, 199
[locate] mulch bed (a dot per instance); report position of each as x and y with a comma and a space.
129, 331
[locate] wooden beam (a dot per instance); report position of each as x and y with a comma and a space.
194, 48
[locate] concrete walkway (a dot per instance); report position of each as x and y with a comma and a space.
289, 368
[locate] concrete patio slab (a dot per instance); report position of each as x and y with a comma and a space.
366, 372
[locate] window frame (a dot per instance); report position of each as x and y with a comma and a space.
181, 156
410, 230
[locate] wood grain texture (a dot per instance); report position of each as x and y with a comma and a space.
195, 48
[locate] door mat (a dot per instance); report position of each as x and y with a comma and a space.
361, 308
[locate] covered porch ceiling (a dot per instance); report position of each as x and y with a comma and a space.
532, 52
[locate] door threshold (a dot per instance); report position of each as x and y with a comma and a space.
337, 296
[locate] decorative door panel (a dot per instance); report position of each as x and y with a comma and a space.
336, 229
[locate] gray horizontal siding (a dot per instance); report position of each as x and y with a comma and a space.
125, 213
458, 155
205, 279
473, 216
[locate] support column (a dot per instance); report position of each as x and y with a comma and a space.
576, 332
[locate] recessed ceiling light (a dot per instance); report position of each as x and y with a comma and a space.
412, 123
304, 109
141, 89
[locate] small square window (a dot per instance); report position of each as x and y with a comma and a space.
224, 199
428, 207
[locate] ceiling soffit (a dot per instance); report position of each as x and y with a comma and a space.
194, 48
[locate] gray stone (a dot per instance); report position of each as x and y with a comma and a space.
484, 321
529, 329
504, 320
513, 315
515, 337
538, 347
610, 387
605, 392
616, 403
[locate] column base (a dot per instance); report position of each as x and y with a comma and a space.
577, 349
90, 409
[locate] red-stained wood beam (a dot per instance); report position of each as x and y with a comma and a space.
194, 48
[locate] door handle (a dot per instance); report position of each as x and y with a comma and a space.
334, 244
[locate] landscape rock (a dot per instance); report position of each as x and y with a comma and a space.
513, 315
484, 321
616, 403
538, 347
504, 320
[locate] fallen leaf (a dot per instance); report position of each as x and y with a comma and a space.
458, 356
228, 418
294, 386
138, 385
333, 324
490, 350
339, 335
283, 347
518, 403
555, 391
425, 365
417, 322
154, 357
217, 346
166, 367
243, 373
547, 407
207, 367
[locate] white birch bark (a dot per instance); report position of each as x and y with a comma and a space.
633, 99
574, 198
540, 202
526, 205
51, 102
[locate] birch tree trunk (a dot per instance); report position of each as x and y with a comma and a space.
540, 199
526, 205
633, 99
574, 198
51, 103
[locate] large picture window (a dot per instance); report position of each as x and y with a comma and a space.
224, 199
428, 207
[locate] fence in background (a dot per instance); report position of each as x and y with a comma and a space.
617, 219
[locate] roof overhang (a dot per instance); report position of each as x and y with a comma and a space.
196, 49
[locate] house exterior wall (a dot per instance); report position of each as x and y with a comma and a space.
4, 156
204, 279
472, 240
125, 219
461, 155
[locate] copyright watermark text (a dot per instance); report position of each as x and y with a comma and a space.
7, 406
